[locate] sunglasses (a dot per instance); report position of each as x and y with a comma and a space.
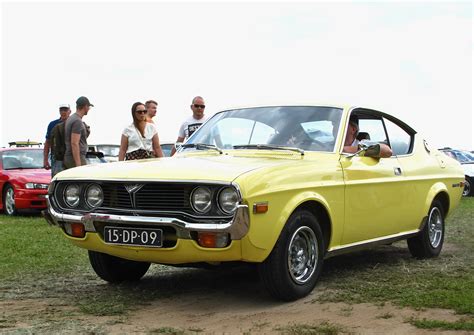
199, 106
141, 112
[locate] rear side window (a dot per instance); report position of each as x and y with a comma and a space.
400, 140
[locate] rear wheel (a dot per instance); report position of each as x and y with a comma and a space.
9, 200
116, 270
467, 187
429, 242
294, 265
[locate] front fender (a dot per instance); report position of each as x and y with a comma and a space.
265, 228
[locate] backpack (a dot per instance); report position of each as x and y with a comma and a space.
58, 141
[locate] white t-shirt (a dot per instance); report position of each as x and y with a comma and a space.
134, 141
189, 126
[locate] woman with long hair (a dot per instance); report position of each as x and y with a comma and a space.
139, 139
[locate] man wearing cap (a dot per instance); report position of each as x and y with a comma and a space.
76, 135
56, 166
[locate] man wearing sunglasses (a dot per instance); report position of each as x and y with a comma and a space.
191, 124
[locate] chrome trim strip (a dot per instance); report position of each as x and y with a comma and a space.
237, 227
339, 250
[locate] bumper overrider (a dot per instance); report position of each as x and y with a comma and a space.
237, 227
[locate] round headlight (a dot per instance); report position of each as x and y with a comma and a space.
94, 196
228, 200
201, 199
71, 195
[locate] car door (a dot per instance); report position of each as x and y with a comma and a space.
375, 190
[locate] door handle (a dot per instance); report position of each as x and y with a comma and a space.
397, 171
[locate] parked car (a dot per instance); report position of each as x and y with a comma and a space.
23, 180
94, 157
466, 159
237, 190
110, 151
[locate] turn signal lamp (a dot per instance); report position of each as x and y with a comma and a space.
213, 240
78, 230
260, 207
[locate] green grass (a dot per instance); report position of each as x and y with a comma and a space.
443, 325
324, 328
30, 247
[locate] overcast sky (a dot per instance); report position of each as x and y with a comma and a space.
411, 60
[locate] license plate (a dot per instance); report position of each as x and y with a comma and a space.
147, 237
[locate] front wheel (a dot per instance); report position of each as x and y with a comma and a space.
294, 265
116, 270
9, 200
429, 242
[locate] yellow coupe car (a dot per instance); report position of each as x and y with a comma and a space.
284, 187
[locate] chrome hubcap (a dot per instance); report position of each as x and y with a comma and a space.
467, 188
435, 227
302, 255
10, 201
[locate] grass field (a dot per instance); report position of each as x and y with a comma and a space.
37, 261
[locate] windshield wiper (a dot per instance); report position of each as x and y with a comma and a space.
267, 147
202, 146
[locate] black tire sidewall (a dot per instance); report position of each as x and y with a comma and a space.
276, 268
433, 252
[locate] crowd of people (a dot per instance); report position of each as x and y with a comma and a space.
66, 145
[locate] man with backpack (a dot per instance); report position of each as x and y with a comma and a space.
56, 158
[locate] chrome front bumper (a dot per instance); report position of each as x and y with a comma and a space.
236, 228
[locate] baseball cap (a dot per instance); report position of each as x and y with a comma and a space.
64, 106
83, 101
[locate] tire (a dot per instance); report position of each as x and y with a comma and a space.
116, 270
429, 242
293, 267
467, 192
9, 201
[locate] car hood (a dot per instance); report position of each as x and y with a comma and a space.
216, 168
41, 176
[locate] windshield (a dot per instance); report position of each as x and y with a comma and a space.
22, 159
306, 128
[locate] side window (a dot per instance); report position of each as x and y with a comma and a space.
373, 129
400, 140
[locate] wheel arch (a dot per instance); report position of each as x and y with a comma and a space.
322, 215
438, 192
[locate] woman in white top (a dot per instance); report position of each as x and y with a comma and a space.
140, 139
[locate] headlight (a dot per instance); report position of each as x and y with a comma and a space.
94, 196
36, 186
228, 200
201, 199
71, 195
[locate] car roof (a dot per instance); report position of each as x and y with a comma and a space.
19, 148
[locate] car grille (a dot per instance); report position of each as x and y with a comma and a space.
158, 196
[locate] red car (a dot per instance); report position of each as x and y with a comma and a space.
23, 180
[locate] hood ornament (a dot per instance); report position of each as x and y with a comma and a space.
133, 187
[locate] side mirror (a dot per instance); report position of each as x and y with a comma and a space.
367, 149
372, 151
178, 145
